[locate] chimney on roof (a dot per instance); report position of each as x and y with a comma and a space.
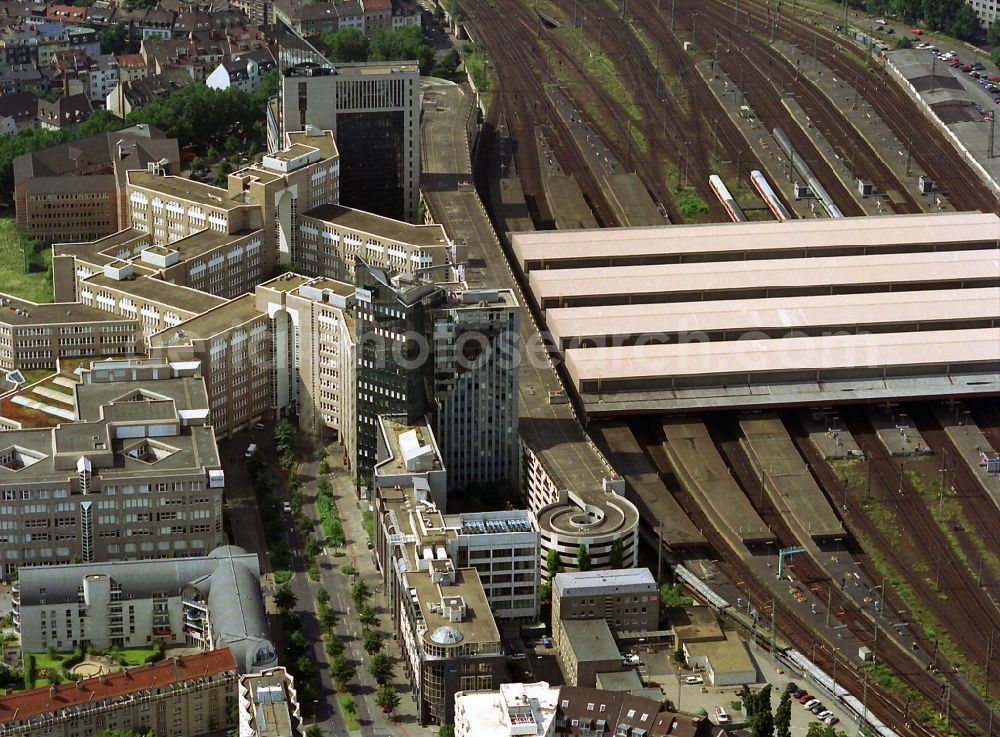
177, 660
79, 685
52, 692
103, 678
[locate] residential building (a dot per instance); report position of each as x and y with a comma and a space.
76, 190
378, 16
34, 336
269, 705
627, 599
585, 647
101, 77
70, 14
138, 441
207, 602
66, 112
19, 78
18, 112
131, 67
584, 711
406, 13
502, 546
143, 87
189, 695
243, 71
373, 110
514, 710
986, 10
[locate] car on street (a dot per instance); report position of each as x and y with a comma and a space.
694, 680
791, 687
258, 426
917, 32
287, 507
519, 656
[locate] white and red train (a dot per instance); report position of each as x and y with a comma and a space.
727, 200
770, 198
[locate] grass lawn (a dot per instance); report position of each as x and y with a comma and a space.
349, 720
36, 286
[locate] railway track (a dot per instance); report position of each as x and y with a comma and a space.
511, 40
929, 147
913, 544
891, 707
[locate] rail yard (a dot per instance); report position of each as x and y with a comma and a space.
888, 508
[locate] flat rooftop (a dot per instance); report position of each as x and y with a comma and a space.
726, 241
478, 625
591, 640
583, 582
160, 292
216, 320
763, 278
367, 222
715, 319
726, 656
202, 242
393, 427
184, 189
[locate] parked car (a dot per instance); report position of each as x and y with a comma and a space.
817, 707
798, 693
721, 716
258, 426
631, 659
917, 32
831, 720
792, 687
694, 680
806, 696
287, 507
824, 714
809, 702
889, 31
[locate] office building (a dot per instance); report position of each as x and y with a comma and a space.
137, 475
627, 599
189, 696
514, 710
585, 648
75, 191
374, 111
269, 705
208, 602
502, 547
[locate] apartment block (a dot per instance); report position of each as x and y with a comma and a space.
34, 336
374, 111
333, 236
136, 476
514, 710
208, 602
627, 599
268, 705
190, 696
502, 547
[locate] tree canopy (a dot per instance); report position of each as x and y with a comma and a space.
402, 44
953, 17
346, 45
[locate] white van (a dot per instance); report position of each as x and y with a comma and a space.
721, 716
251, 449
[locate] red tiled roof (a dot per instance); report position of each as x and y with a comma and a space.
20, 706
373, 6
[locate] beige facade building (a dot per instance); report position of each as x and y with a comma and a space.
332, 236
34, 336
627, 599
269, 705
137, 475
188, 696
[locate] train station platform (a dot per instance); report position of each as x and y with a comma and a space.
786, 478
971, 443
706, 477
896, 432
658, 507
565, 468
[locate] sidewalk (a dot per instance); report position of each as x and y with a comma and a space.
356, 553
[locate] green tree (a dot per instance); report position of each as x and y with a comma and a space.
346, 45
334, 646
783, 716
380, 667
761, 719
673, 596
304, 669
388, 700
314, 730
964, 24
583, 558
616, 558
232, 143
360, 592
342, 671
297, 645
446, 730
285, 599
328, 619
322, 597
552, 564
350, 707
818, 729
114, 39
993, 34
903, 43
125, 732
366, 615
372, 641
402, 44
